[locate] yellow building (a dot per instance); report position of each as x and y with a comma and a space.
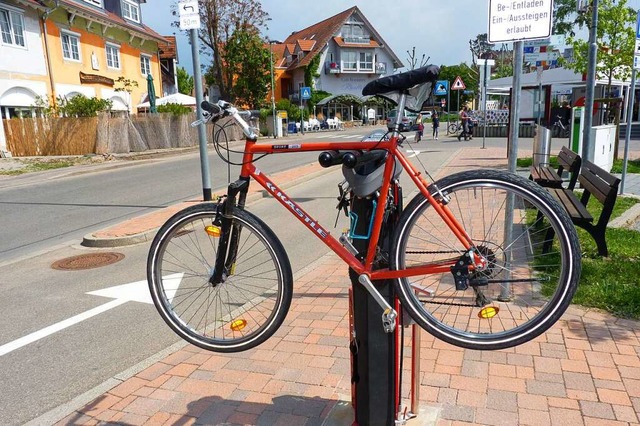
67, 47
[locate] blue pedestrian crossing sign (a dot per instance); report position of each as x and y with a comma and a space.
306, 92
441, 88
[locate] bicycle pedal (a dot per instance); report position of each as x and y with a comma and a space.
389, 320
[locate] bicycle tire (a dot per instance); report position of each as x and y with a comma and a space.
243, 311
477, 200
452, 128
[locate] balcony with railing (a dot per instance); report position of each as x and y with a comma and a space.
361, 67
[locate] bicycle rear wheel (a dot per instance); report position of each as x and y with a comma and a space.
533, 261
237, 314
452, 128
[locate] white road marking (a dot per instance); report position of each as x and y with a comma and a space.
133, 292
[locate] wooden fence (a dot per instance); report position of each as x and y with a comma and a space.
104, 134
47, 136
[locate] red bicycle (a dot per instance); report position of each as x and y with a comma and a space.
482, 259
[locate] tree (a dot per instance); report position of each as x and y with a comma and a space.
504, 62
247, 59
126, 85
469, 77
615, 38
220, 19
566, 18
413, 60
479, 46
185, 82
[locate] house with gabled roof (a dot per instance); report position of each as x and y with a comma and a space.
344, 52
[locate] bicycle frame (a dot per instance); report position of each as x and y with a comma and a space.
249, 170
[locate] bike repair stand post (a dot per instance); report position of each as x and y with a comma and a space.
376, 354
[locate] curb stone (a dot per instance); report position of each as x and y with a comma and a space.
105, 239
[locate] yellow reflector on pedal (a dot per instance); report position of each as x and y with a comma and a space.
213, 231
238, 324
488, 312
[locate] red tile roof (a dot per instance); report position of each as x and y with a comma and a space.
169, 50
306, 45
140, 30
340, 42
278, 55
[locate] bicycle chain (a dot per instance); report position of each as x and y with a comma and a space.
433, 252
449, 303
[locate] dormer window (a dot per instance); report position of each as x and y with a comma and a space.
94, 2
354, 32
131, 10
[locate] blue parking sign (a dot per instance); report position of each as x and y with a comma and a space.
306, 92
441, 88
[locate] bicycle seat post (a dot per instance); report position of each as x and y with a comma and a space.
402, 101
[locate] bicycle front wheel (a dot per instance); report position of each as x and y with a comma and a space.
452, 128
531, 251
237, 314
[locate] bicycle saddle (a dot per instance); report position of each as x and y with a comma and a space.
416, 85
403, 81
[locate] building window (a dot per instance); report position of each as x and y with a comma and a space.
71, 46
145, 65
350, 61
366, 61
131, 10
12, 27
354, 32
94, 2
113, 55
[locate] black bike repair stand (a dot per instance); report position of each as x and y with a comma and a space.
375, 353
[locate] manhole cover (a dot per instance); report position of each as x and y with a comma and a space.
87, 261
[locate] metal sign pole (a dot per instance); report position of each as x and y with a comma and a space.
202, 134
588, 149
627, 137
189, 13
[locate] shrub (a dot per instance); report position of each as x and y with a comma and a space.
175, 109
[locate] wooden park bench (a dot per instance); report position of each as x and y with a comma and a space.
546, 176
604, 187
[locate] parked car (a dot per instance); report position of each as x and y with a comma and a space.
426, 114
376, 136
408, 120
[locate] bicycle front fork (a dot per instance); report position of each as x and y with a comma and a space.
229, 231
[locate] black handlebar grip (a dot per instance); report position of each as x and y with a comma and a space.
353, 159
350, 159
212, 109
330, 158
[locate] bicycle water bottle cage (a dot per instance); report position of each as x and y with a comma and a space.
354, 222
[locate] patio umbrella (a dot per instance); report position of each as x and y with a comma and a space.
151, 94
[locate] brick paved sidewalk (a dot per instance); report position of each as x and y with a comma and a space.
584, 371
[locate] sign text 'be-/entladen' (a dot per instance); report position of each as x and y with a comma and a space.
519, 20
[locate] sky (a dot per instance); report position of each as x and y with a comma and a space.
440, 30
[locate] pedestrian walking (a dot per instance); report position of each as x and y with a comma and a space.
435, 121
464, 121
419, 129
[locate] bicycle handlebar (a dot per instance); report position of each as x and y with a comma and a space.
224, 109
